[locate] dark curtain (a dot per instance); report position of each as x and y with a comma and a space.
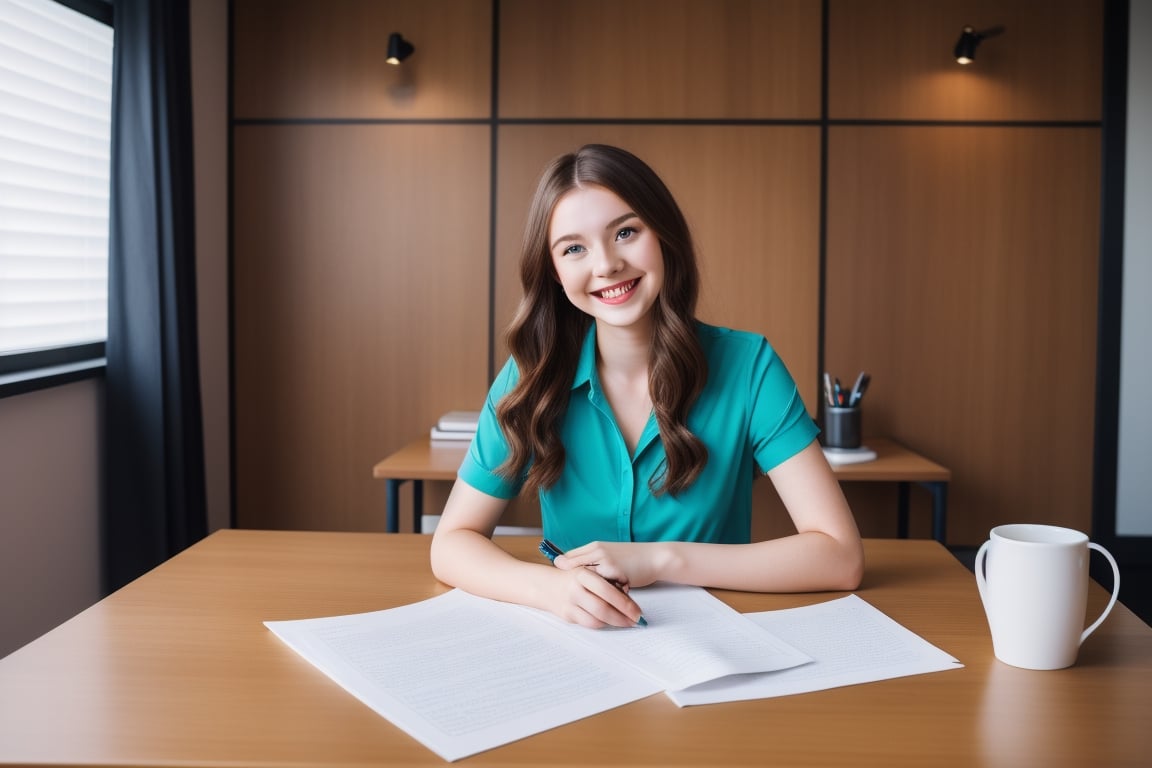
154, 502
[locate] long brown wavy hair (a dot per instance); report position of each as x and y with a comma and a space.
546, 335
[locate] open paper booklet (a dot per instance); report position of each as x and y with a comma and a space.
463, 674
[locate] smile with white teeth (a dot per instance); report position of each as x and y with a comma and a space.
617, 291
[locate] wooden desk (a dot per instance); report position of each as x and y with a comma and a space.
424, 459
176, 668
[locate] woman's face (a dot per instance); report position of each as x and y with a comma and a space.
609, 261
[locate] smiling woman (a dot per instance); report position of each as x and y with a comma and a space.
640, 427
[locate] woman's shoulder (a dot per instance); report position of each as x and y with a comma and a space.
729, 341
737, 358
506, 378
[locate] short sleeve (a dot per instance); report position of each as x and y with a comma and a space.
489, 448
780, 425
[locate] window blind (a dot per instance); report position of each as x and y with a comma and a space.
55, 149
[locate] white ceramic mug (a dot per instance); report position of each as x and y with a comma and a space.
1035, 593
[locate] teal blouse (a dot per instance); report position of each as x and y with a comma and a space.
749, 416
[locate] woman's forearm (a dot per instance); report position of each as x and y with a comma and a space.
474, 563
804, 562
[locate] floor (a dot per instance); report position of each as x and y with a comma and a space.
1135, 582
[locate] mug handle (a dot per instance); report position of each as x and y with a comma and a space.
1115, 589
978, 566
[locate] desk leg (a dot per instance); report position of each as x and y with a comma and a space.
902, 509
939, 509
418, 506
392, 488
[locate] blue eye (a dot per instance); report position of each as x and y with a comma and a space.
625, 233
572, 250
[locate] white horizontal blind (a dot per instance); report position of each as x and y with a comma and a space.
55, 148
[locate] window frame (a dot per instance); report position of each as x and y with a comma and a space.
22, 372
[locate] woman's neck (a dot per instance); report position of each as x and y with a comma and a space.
622, 362
623, 352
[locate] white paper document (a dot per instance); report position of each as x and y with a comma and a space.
463, 674
850, 641
691, 637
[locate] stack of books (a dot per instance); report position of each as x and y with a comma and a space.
456, 425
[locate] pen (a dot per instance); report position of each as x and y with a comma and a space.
551, 551
858, 389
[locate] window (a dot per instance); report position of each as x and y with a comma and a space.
55, 150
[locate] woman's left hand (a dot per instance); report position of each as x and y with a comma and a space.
627, 564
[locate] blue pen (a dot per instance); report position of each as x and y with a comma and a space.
551, 551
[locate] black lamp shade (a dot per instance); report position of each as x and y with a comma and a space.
970, 38
398, 48
965, 50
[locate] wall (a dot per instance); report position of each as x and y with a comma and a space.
935, 225
50, 444
209, 24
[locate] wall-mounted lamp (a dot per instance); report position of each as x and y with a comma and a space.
965, 50
398, 48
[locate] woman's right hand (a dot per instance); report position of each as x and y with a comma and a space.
582, 596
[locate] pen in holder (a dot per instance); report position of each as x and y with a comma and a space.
841, 427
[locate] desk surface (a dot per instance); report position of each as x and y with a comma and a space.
176, 668
425, 459
893, 463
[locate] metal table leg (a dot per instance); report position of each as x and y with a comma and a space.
902, 509
392, 488
939, 509
418, 506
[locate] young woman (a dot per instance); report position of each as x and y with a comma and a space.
640, 427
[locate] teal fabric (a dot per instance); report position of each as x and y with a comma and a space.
750, 417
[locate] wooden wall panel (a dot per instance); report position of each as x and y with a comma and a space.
751, 196
304, 59
660, 59
893, 60
358, 313
962, 272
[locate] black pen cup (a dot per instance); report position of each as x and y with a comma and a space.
841, 427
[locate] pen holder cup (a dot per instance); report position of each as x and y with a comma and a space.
842, 427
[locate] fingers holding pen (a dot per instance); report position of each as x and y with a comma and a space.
598, 593
592, 601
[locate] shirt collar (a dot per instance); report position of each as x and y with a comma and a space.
586, 366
